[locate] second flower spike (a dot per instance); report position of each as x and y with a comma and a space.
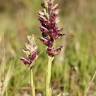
31, 52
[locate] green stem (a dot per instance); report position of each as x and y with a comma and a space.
6, 92
48, 76
32, 83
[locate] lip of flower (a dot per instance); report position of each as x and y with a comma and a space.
47, 42
52, 51
30, 59
44, 30
26, 61
42, 18
44, 23
55, 33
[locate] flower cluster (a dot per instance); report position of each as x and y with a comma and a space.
30, 52
48, 18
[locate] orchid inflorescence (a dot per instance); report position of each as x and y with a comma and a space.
49, 18
30, 51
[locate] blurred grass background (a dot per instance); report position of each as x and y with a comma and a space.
72, 69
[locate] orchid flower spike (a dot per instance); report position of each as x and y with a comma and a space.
50, 31
31, 52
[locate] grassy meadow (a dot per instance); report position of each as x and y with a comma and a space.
73, 70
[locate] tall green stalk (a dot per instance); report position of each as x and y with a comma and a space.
32, 82
48, 76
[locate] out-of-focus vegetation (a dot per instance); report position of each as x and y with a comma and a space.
72, 69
